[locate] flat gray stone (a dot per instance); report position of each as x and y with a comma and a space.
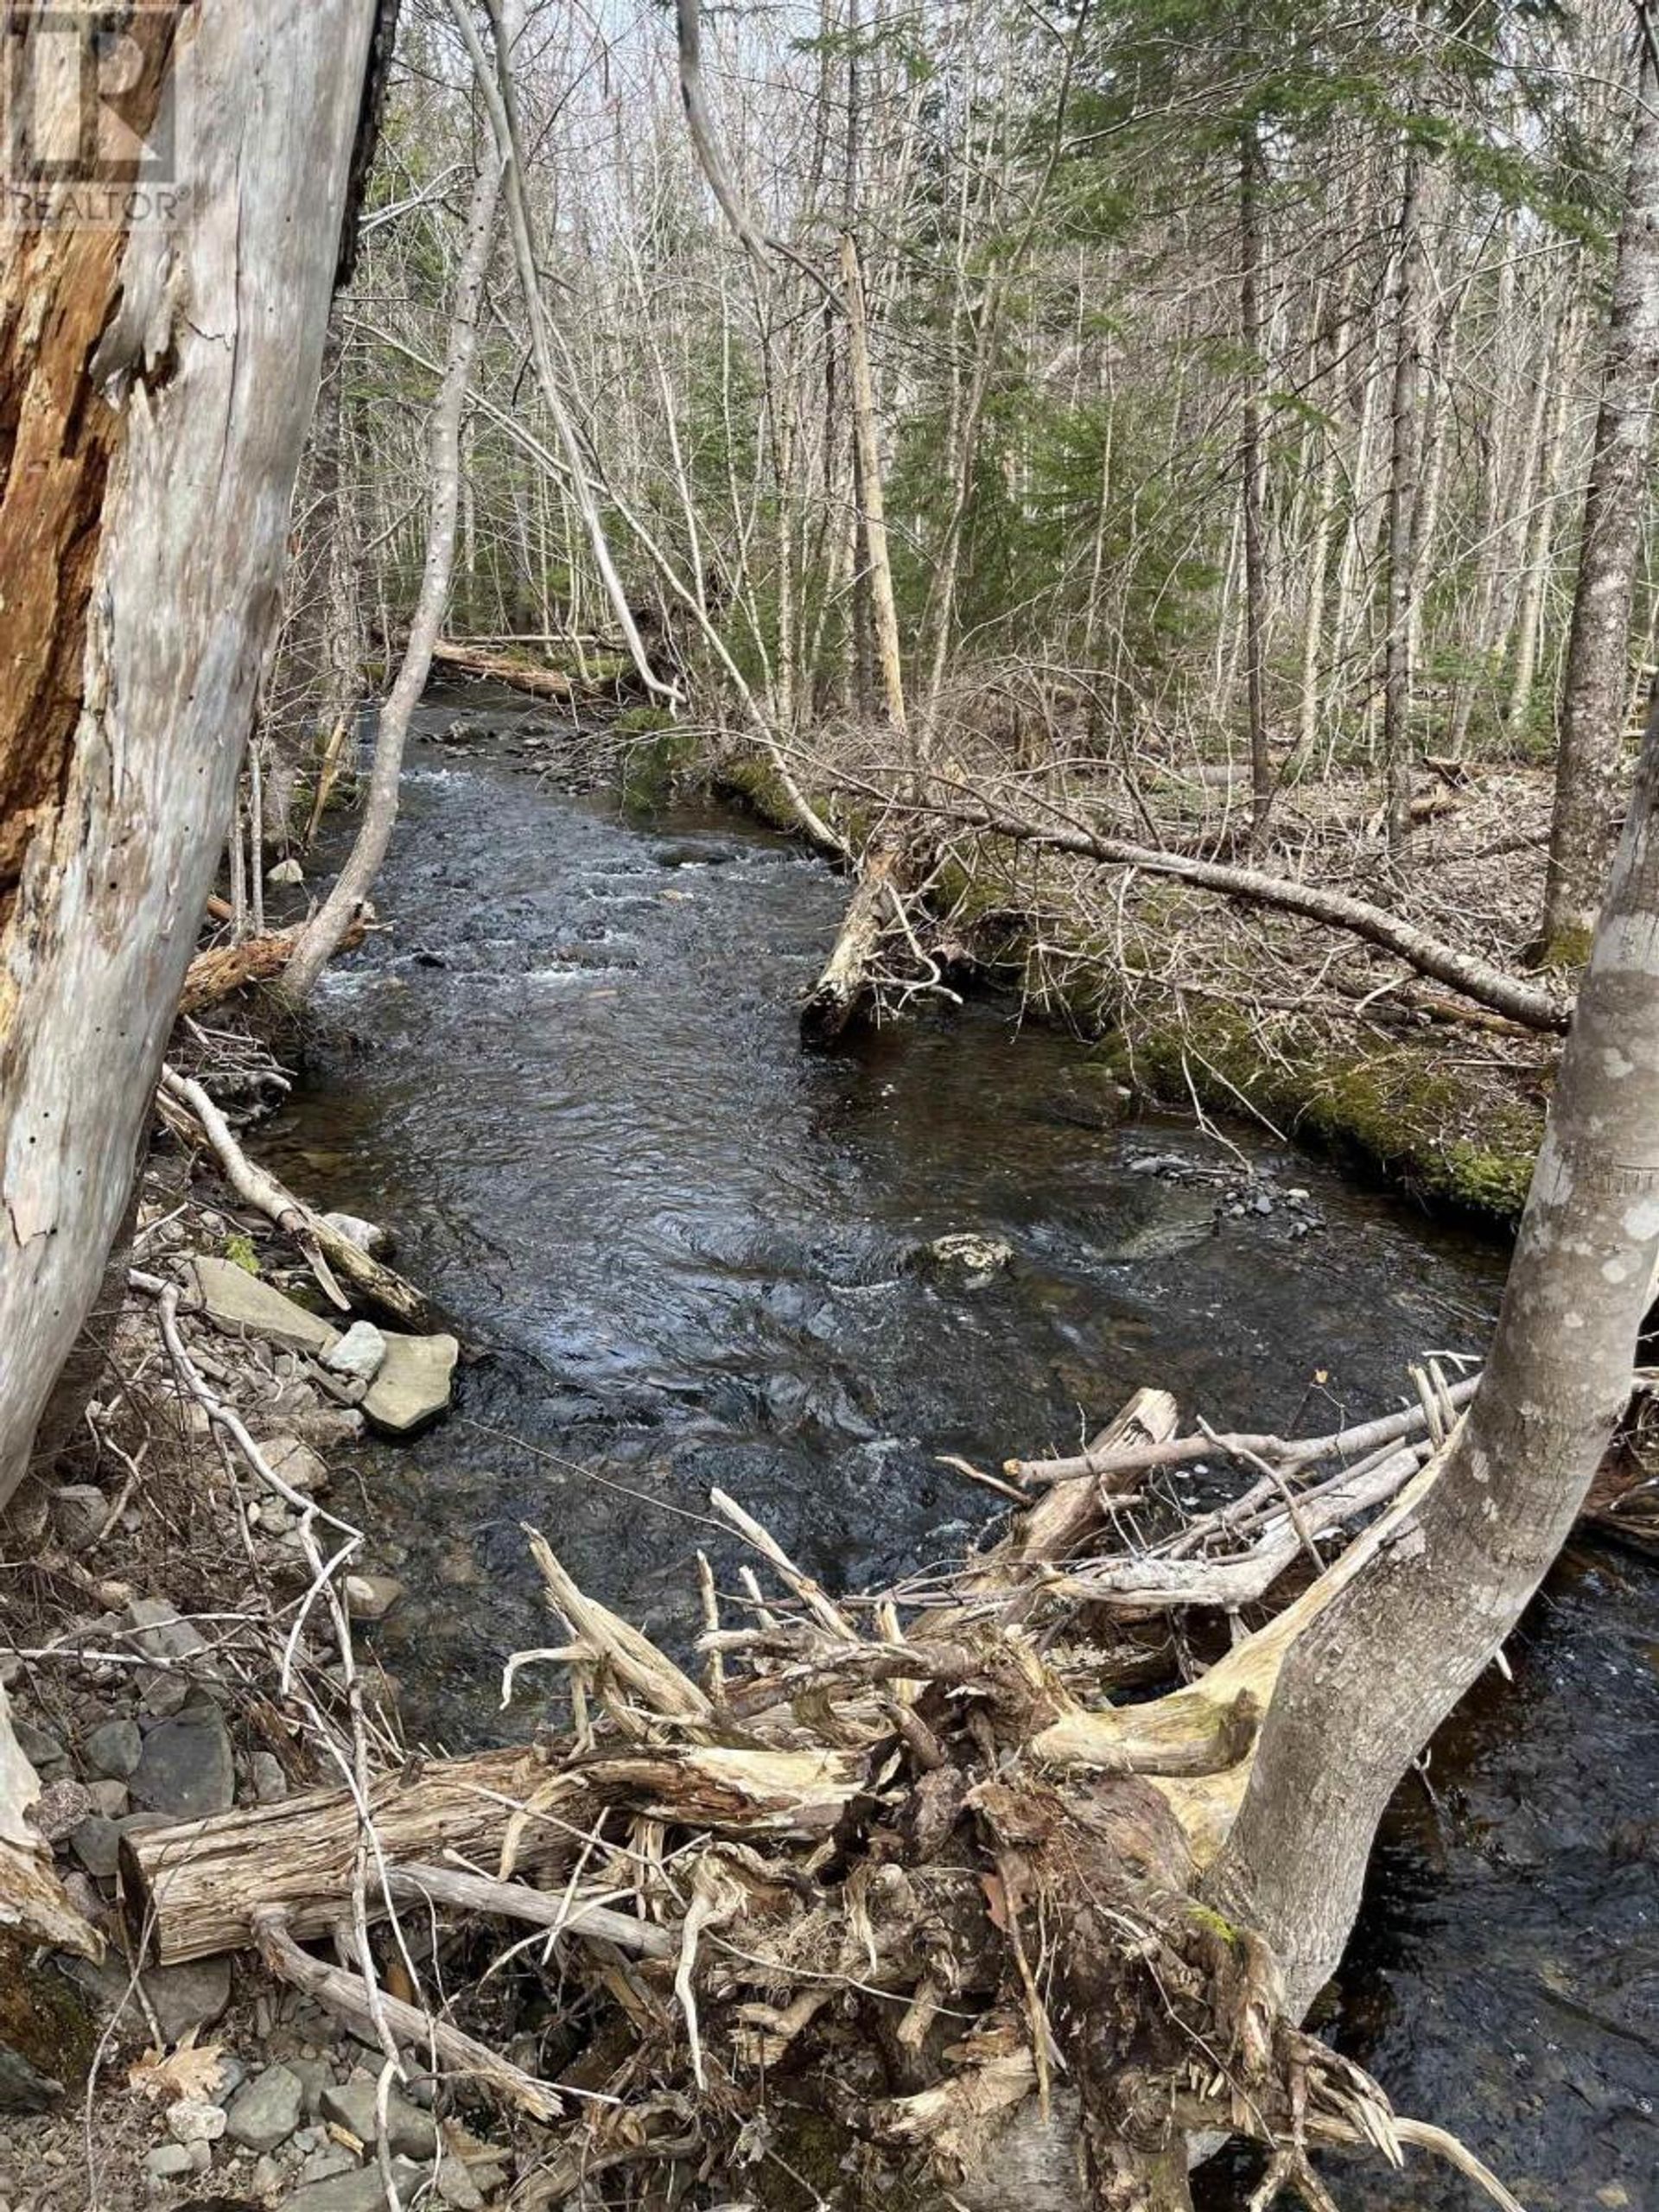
296, 1463
240, 1302
186, 1768
159, 1632
410, 2132
79, 1512
359, 1355
113, 1748
266, 2111
413, 1387
362, 2190
96, 1843
167, 2161
192, 1996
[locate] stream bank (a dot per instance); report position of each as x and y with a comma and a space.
569, 1076
1202, 1002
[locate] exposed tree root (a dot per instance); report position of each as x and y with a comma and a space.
921, 1881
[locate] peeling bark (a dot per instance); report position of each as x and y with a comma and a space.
159, 384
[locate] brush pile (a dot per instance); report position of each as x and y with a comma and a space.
894, 1874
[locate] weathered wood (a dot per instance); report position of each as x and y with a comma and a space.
197, 1887
373, 1281
843, 987
159, 383
214, 975
509, 669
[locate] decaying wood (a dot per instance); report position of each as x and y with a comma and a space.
214, 975
198, 1885
843, 987
32, 1899
154, 384
502, 668
329, 1253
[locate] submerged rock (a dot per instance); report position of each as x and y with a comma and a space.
972, 1260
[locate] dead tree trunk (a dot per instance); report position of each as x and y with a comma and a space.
1590, 754
1366, 1686
139, 563
352, 886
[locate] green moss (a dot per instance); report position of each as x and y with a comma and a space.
656, 764
238, 1251
1569, 948
46, 2030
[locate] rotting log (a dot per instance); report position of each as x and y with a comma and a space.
196, 1888
845, 983
503, 668
214, 973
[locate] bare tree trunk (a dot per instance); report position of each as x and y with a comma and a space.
1374, 1676
1403, 493
872, 505
335, 916
1557, 369
1588, 765
1254, 457
139, 567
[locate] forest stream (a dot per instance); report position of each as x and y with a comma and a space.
684, 1254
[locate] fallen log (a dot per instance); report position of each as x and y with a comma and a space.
845, 982
503, 668
1465, 972
197, 1888
214, 975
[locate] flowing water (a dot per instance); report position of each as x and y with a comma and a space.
682, 1255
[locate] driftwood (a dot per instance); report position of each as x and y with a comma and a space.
845, 982
214, 975
503, 668
921, 1872
329, 1253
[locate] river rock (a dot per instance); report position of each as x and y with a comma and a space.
371, 1597
266, 2111
413, 1387
971, 1259
112, 1749
285, 872
60, 1808
410, 2132
186, 1768
167, 2161
296, 1463
359, 1355
79, 1512
360, 2190
241, 1304
192, 2120
367, 1236
186, 1996
159, 1632
96, 1844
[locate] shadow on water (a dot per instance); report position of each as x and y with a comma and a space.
568, 1077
